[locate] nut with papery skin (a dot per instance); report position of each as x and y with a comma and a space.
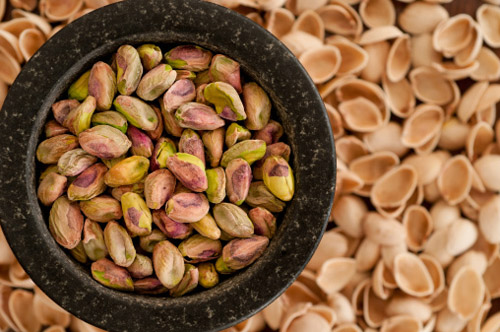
164, 149
233, 220
250, 150
156, 82
128, 171
89, 184
102, 85
208, 276
168, 264
136, 214
189, 57
79, 254
188, 283
104, 142
236, 133
141, 267
271, 133
185, 74
159, 187
181, 92
79, 118
259, 195
53, 128
191, 143
137, 188
141, 143
216, 190
79, 90
150, 55
110, 275
239, 177
148, 242
74, 162
49, 169
93, 240
200, 94
226, 100
102, 208
187, 207
257, 106
112, 162
214, 145
198, 248
264, 222
156, 134
128, 69
119, 244
207, 227
171, 228
240, 253
198, 117
225, 69
150, 286
66, 222
137, 112
62, 108
50, 150
278, 177
51, 187
189, 170
110, 118
277, 149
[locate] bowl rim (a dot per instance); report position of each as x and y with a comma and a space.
61, 59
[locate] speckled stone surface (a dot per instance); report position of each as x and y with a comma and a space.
266, 60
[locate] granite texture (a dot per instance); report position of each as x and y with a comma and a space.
267, 61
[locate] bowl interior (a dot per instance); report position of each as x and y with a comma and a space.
297, 106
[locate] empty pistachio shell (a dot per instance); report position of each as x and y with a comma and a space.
119, 244
214, 145
189, 57
226, 70
148, 242
189, 170
137, 112
277, 149
191, 143
233, 220
102, 208
240, 253
250, 150
216, 190
79, 254
208, 276
104, 142
278, 177
141, 267
171, 228
141, 143
257, 106
198, 248
188, 283
53, 128
236, 133
164, 149
79, 118
102, 85
207, 227
198, 117
137, 188
79, 90
50, 150
239, 177
187, 207
51, 187
136, 214
150, 55
66, 223
271, 133
150, 286
168, 264
156, 82
260, 196
264, 222
74, 162
110, 118
128, 171
128, 69
89, 184
93, 240
180, 92
111, 275
159, 186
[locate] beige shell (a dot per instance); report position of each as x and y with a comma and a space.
430, 86
491, 279
427, 166
400, 97
436, 272
308, 279
436, 246
444, 214
489, 215
30, 41
299, 42
487, 17
47, 314
454, 191
487, 168
349, 148
376, 13
379, 34
333, 244
387, 138
421, 17
22, 310
349, 327
489, 66
335, 274
377, 59
422, 51
348, 214
5, 314
355, 88
471, 51
431, 192
428, 146
480, 136
438, 301
3, 4
342, 307
3, 92
298, 292
299, 6
422, 125
462, 234
474, 325
452, 71
279, 21
321, 63
395, 187
348, 182
326, 313
78, 325
454, 134
274, 312
490, 97
449, 322
399, 58
378, 286
371, 167
472, 258
294, 311
453, 35
18, 276
466, 293
412, 276
417, 222
56, 10
488, 115
361, 115
95, 4
309, 21
401, 324
357, 296
354, 58
340, 18
402, 304
335, 121
326, 90
383, 231
55, 328
10, 44
17, 25
470, 100
40, 22
367, 255
373, 308
9, 67
254, 16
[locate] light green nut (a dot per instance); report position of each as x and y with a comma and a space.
250, 150
79, 119
150, 55
257, 106
188, 283
136, 214
156, 82
128, 70
119, 244
79, 90
208, 276
110, 118
137, 112
233, 220
93, 240
110, 275
236, 133
226, 100
216, 191
128, 171
207, 227
278, 177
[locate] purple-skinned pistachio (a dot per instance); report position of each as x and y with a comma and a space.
128, 171
226, 100
227, 70
239, 177
251, 150
264, 222
149, 286
233, 220
51, 187
62, 108
171, 125
142, 267
79, 90
191, 143
187, 207
236, 133
137, 112
79, 254
156, 134
168, 264
208, 276
66, 222
102, 208
259, 195
119, 244
110, 118
159, 187
271, 133
188, 283
207, 227
136, 214
128, 69
89, 184
172, 229
184, 74
164, 149
80, 118
189, 57
198, 248
148, 242
53, 128
240, 253
50, 150
93, 240
181, 92
111, 275
202, 78
150, 55
156, 82
137, 188
214, 145
277, 149
104, 142
102, 85
75, 162
141, 143
216, 190
200, 94
49, 169
278, 177
257, 106
198, 117
189, 170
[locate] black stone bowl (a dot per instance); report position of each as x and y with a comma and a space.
296, 103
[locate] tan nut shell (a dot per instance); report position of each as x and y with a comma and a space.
422, 125
454, 191
470, 100
348, 213
489, 66
423, 53
335, 121
350, 148
376, 13
479, 138
488, 17
472, 258
462, 234
321, 63
56, 10
421, 17
333, 244
379, 34
417, 222
22, 310
430, 86
335, 273
395, 187
487, 168
340, 18
466, 293
30, 41
299, 42
453, 35
387, 138
9, 67
401, 324
279, 21
371, 167
361, 115
399, 58
377, 59
354, 58
384, 231
309, 21
412, 276
400, 97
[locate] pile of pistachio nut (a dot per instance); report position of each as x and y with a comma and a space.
127, 183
